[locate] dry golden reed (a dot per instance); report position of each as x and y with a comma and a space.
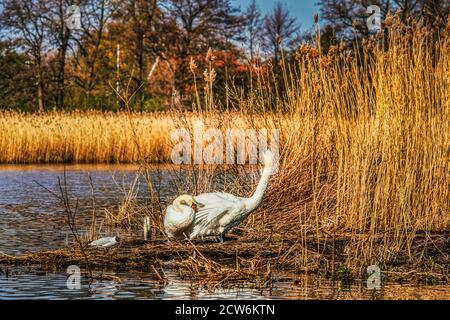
367, 153
96, 137
82, 137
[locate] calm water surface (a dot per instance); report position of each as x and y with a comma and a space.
31, 219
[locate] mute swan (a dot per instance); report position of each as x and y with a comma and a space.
213, 214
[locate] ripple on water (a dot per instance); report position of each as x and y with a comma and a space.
139, 286
31, 219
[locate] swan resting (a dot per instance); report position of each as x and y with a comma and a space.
213, 214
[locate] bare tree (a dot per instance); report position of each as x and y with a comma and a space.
197, 26
26, 22
436, 11
141, 19
60, 37
280, 30
347, 16
253, 28
87, 50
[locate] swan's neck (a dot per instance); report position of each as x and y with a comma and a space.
182, 217
254, 201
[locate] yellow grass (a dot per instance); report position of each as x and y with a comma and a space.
96, 137
81, 137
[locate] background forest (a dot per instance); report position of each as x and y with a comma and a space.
156, 48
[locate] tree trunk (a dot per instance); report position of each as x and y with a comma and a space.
61, 78
64, 38
140, 57
40, 97
40, 85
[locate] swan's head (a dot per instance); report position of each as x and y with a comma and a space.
268, 158
270, 163
187, 200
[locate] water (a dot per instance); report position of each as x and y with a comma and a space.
32, 219
137, 285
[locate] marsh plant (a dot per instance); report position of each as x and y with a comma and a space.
211, 146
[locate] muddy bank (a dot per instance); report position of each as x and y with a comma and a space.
245, 260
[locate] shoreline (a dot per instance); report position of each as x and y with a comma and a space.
245, 261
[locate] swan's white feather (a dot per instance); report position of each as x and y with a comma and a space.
218, 214
177, 223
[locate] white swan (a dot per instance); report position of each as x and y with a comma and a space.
213, 214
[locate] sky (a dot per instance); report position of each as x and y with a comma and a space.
303, 10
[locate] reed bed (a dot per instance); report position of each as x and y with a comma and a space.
364, 146
99, 137
82, 137
373, 159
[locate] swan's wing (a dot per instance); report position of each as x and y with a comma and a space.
169, 213
213, 207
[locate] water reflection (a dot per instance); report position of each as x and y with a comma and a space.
139, 286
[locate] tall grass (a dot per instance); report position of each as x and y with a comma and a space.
81, 137
367, 151
97, 137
